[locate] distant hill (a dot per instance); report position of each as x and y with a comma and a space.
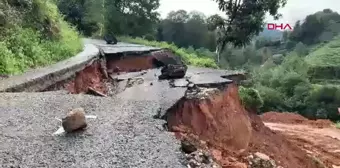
271, 34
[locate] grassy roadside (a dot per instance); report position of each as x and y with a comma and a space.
33, 36
188, 58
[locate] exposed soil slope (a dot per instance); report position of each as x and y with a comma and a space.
276, 145
218, 118
96, 76
318, 138
90, 77
292, 118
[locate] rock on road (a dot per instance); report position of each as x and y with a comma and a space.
123, 135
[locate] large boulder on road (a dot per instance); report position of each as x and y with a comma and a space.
172, 71
75, 120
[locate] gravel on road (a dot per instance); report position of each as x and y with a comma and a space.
125, 134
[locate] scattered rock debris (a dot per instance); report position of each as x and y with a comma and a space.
318, 162
75, 120
201, 159
188, 147
158, 115
172, 71
260, 160
134, 81
92, 91
2, 76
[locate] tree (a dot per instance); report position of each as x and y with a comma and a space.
187, 29
129, 17
217, 23
196, 30
245, 19
301, 49
174, 27
321, 26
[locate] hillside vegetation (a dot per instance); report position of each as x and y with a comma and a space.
33, 34
325, 61
303, 78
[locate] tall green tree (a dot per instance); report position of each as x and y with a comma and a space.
128, 17
245, 19
131, 17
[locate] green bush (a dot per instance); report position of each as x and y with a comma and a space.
337, 125
37, 37
250, 98
273, 100
188, 57
323, 102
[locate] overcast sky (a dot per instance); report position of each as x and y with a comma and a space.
294, 10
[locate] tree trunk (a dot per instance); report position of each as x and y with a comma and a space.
218, 53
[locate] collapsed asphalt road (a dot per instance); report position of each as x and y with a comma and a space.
124, 134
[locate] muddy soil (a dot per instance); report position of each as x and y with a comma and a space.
292, 118
322, 143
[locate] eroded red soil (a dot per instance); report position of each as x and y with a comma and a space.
276, 146
90, 77
219, 119
130, 64
231, 132
94, 76
292, 118
318, 138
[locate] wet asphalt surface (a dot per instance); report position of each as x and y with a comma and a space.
125, 133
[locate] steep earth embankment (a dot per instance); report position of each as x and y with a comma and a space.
213, 118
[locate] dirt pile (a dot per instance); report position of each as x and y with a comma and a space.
292, 118
216, 117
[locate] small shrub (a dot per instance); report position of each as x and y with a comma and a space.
337, 125
273, 100
250, 98
323, 102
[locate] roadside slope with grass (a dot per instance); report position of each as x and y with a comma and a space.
189, 58
33, 34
